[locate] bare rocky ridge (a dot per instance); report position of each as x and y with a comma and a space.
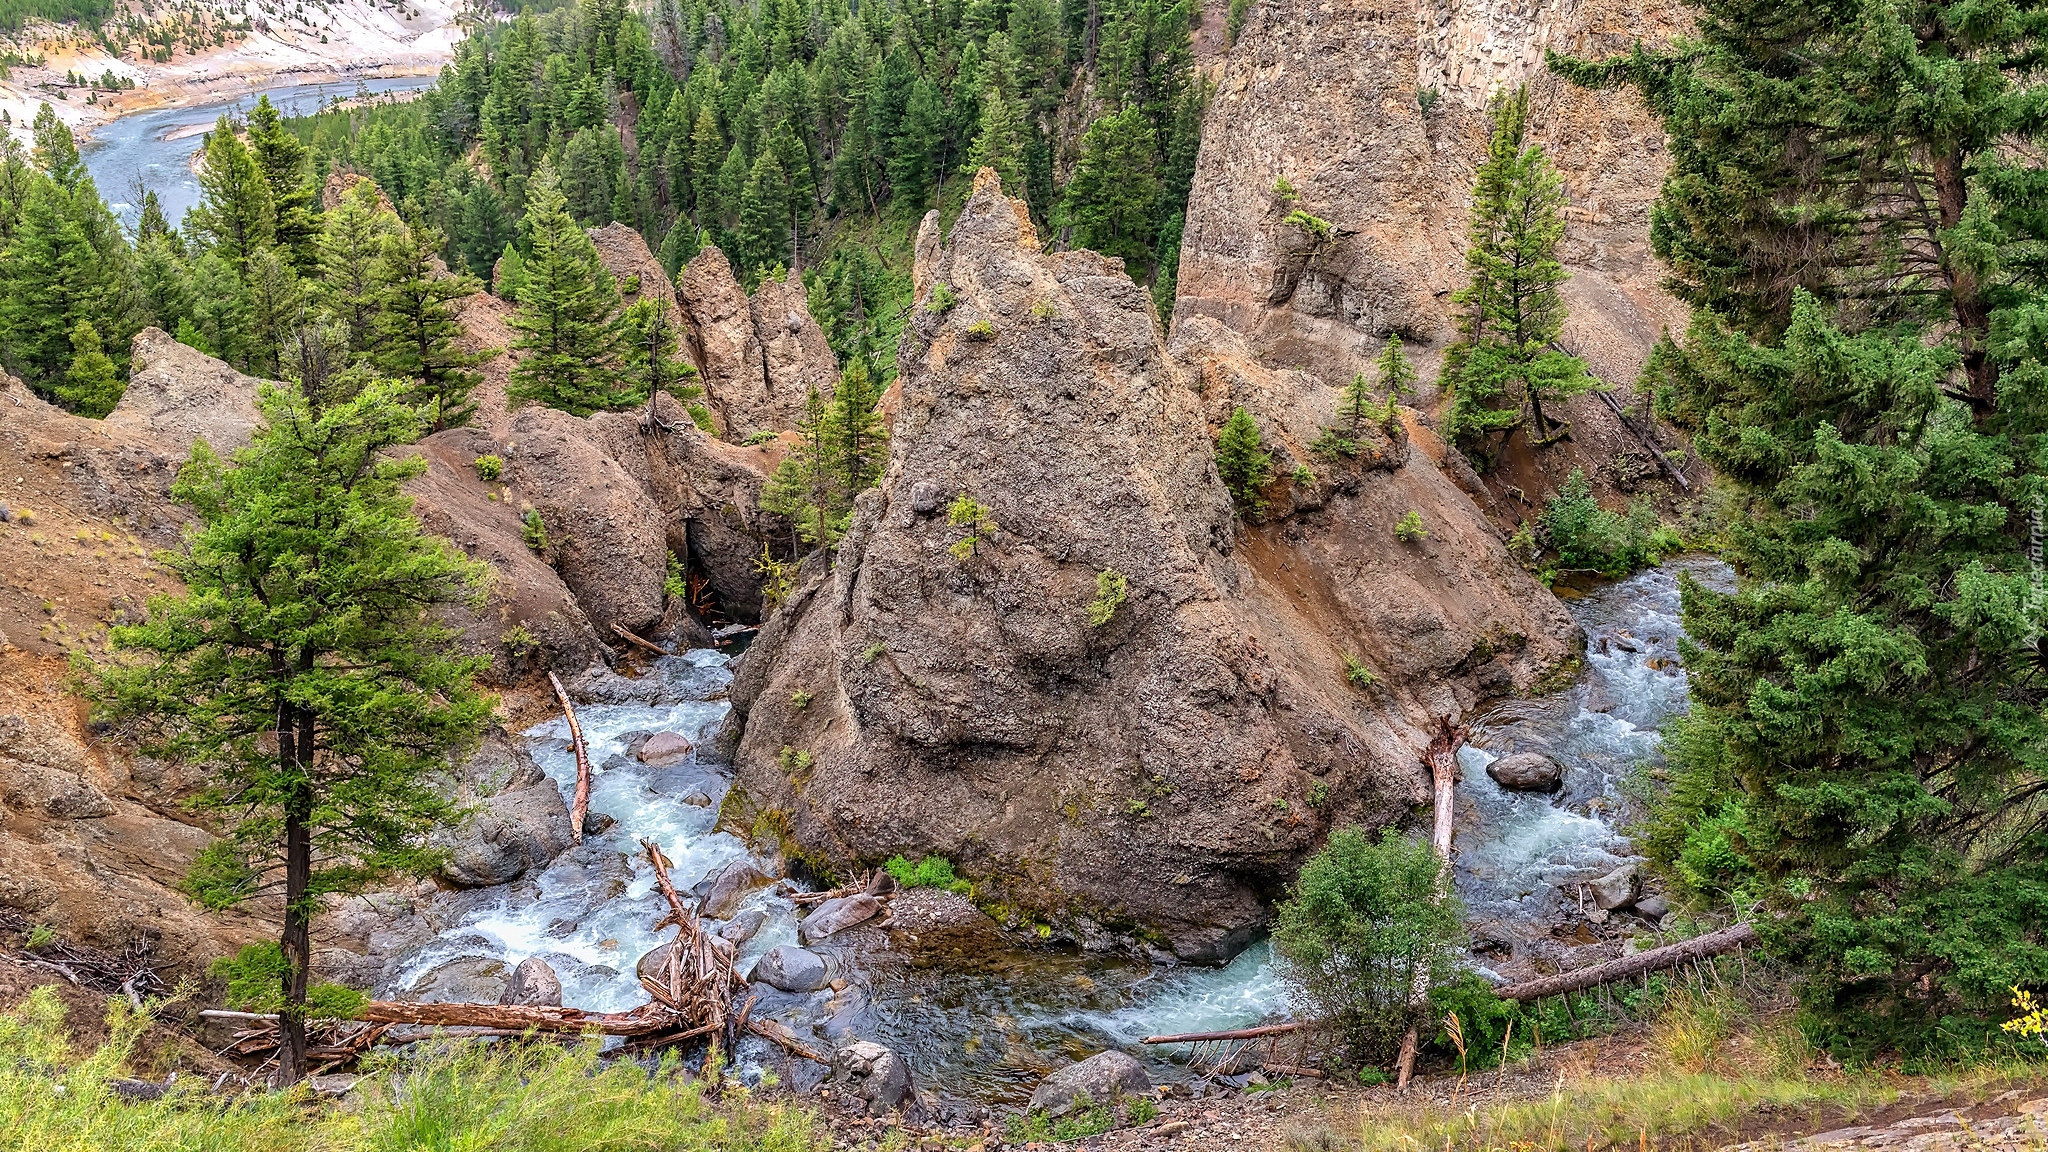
1163, 773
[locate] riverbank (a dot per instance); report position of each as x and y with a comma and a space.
360, 41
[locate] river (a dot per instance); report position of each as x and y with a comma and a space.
985, 1022
156, 147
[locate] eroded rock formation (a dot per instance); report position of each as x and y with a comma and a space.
1162, 771
757, 358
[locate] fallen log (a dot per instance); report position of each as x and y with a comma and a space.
581, 808
772, 1031
1232, 1034
638, 642
1663, 461
1443, 772
1655, 960
520, 1018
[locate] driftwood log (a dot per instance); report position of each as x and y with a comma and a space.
638, 642
579, 810
1232, 1034
1654, 960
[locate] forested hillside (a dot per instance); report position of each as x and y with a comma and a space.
809, 138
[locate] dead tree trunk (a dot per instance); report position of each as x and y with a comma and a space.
581, 808
1655, 960
1443, 774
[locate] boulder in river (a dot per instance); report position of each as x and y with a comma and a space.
1101, 1078
792, 969
469, 980
838, 915
742, 927
724, 889
533, 984
1617, 889
874, 1073
1527, 772
665, 750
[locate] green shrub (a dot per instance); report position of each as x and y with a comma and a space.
1330, 445
1043, 309
1111, 587
942, 299
929, 872
1591, 538
1426, 98
1410, 529
778, 580
968, 513
1319, 794
490, 467
1357, 674
1312, 224
40, 935
762, 436
1362, 922
794, 761
1302, 476
534, 530
1035, 1126
255, 980
1241, 460
799, 699
981, 330
1284, 189
873, 652
674, 584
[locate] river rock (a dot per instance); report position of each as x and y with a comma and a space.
1615, 890
1527, 772
533, 984
874, 1073
665, 750
792, 969
743, 927
838, 915
1101, 1078
698, 799
507, 836
722, 892
1652, 907
469, 980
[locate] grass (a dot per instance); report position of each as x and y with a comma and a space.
517, 1097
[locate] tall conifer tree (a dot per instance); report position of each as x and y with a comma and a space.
236, 213
282, 160
417, 328
568, 317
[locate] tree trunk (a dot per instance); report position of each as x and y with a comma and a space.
1443, 772
295, 749
1966, 296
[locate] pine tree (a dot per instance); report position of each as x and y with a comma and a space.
568, 317
1866, 748
653, 365
235, 213
1511, 312
999, 142
508, 276
1111, 200
764, 234
51, 277
860, 441
277, 300
707, 156
221, 308
1357, 407
1242, 461
56, 150
1396, 376
351, 241
806, 486
91, 387
282, 160
304, 665
417, 329
151, 224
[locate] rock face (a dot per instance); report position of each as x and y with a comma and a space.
758, 357
1101, 1078
1527, 772
1157, 768
178, 394
1393, 177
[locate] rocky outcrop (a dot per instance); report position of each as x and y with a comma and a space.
758, 358
515, 824
178, 394
1331, 99
1167, 767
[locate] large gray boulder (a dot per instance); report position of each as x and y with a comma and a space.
838, 915
792, 969
468, 980
533, 984
1101, 1078
876, 1074
1527, 772
1617, 889
517, 824
722, 892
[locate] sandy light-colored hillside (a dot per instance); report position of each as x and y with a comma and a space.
192, 50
